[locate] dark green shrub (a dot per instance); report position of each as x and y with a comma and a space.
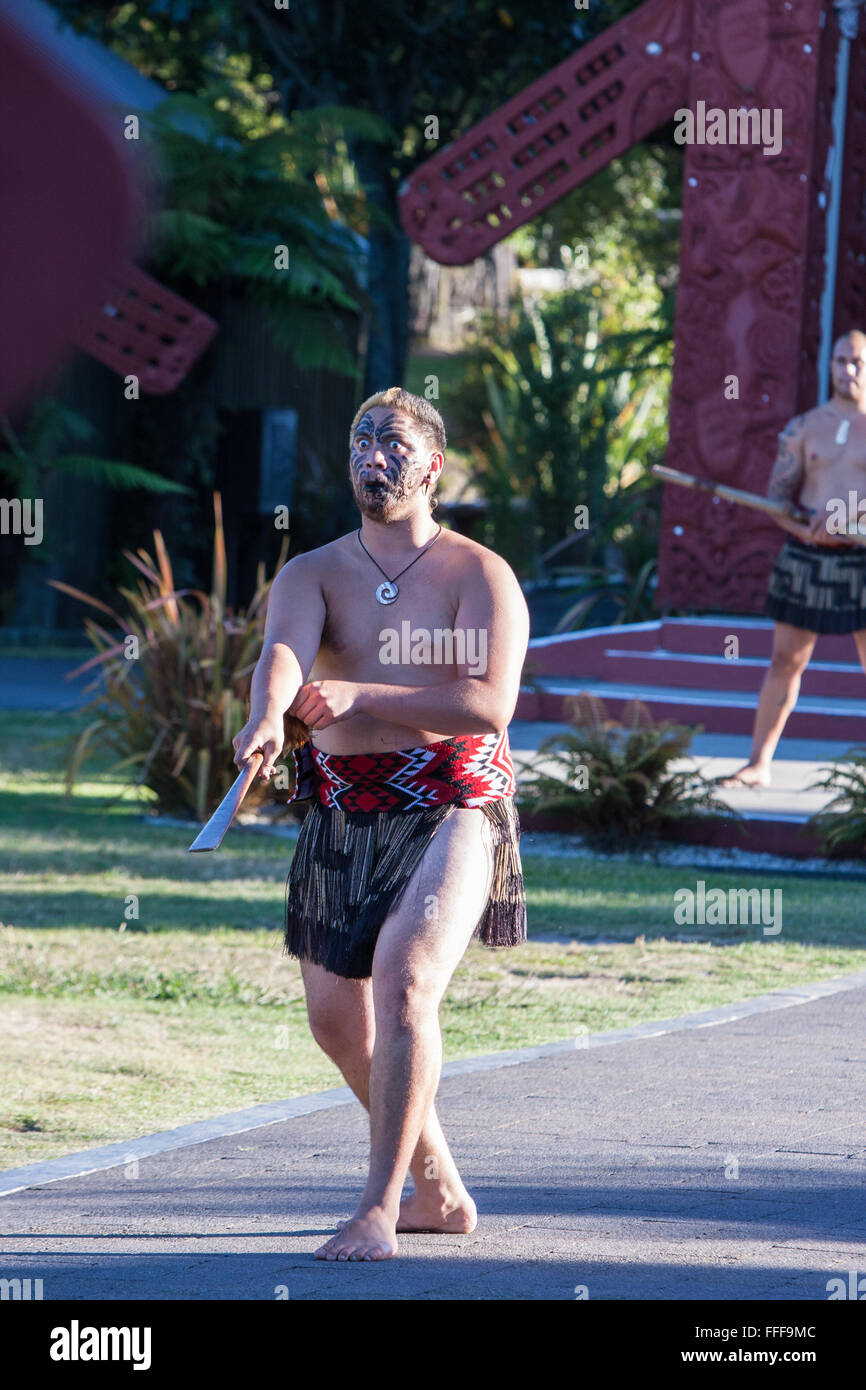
613, 778
842, 823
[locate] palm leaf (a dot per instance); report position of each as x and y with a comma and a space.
121, 475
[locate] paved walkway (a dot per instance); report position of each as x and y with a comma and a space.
721, 1160
28, 682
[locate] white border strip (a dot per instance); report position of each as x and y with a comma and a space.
670, 695
721, 620
653, 625
662, 654
257, 1116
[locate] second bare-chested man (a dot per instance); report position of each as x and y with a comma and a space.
410, 846
818, 583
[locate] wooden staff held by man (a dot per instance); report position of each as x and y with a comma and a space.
818, 583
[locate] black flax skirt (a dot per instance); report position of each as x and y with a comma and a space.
818, 588
350, 869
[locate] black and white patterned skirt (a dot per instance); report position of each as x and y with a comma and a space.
818, 588
350, 870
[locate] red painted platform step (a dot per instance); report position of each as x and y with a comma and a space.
680, 669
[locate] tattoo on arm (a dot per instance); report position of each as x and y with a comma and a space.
787, 475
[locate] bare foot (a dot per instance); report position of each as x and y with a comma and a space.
752, 775
368, 1237
449, 1217
453, 1218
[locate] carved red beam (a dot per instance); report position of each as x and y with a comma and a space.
552, 136
752, 240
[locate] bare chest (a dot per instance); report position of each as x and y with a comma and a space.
363, 636
836, 446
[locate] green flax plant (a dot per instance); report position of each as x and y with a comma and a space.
175, 674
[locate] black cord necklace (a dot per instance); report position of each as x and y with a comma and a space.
388, 592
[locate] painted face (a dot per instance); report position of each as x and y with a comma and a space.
849, 370
387, 462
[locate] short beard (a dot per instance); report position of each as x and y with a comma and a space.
383, 503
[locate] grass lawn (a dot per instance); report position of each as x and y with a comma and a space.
115, 1028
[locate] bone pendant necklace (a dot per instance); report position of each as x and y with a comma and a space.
389, 591
844, 425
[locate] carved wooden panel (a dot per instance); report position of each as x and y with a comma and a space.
741, 297
753, 237
552, 136
850, 308
816, 230
138, 326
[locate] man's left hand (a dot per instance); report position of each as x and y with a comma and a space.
320, 703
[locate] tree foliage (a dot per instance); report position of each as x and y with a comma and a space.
456, 60
570, 418
47, 445
234, 195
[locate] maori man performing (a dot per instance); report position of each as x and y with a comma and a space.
818, 583
410, 845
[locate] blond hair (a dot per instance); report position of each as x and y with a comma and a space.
428, 421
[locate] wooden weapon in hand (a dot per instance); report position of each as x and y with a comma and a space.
789, 510
211, 835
